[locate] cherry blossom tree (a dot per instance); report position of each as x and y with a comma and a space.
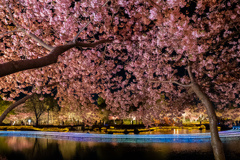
131, 53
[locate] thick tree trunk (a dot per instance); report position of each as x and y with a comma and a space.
36, 125
215, 140
12, 106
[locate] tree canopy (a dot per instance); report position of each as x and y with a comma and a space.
130, 53
153, 41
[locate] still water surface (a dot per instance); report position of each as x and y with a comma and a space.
23, 148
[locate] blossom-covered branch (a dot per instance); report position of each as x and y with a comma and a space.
38, 40
16, 66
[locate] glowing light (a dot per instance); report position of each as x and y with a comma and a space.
29, 121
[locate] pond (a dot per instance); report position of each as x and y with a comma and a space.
27, 148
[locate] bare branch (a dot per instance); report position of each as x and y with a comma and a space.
105, 3
16, 30
190, 73
75, 38
11, 16
38, 40
183, 85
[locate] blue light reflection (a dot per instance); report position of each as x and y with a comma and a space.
161, 138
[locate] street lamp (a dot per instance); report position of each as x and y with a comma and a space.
29, 121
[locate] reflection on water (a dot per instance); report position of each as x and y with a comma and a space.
22, 148
165, 131
19, 143
177, 131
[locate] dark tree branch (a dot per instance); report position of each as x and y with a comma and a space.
21, 101
16, 66
14, 105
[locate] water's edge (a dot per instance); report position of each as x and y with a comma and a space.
163, 138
